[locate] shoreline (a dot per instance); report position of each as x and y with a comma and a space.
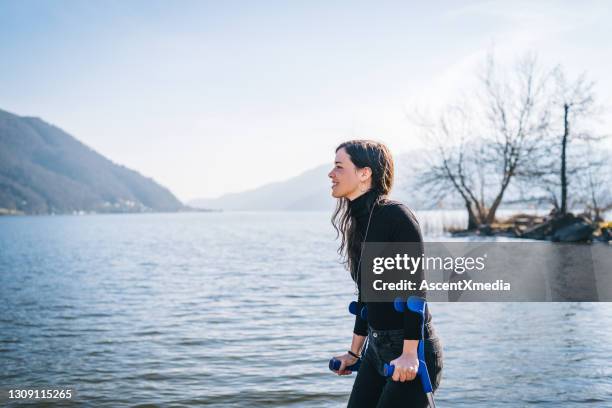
565, 228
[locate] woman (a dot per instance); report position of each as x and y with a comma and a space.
361, 180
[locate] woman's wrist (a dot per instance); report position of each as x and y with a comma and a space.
352, 353
410, 347
357, 343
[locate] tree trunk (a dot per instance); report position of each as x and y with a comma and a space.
563, 210
493, 209
472, 221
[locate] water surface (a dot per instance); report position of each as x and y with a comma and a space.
245, 309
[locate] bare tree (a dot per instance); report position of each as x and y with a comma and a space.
449, 164
518, 112
594, 185
577, 102
479, 148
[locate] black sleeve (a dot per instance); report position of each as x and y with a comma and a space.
407, 230
361, 326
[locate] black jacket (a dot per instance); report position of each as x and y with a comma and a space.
391, 221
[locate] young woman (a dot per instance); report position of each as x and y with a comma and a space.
361, 180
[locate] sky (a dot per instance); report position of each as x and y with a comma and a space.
224, 96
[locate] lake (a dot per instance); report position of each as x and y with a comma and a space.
246, 309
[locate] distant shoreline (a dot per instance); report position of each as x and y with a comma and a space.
5, 212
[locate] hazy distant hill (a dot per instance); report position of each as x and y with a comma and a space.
311, 190
45, 170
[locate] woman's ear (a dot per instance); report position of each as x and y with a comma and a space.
365, 173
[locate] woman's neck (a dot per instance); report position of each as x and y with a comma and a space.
359, 194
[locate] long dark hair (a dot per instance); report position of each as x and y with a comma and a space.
376, 156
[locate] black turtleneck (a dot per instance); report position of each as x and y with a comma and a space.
391, 221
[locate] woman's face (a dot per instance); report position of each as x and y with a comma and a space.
346, 178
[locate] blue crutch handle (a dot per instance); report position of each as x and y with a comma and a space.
354, 308
399, 304
334, 365
417, 304
423, 374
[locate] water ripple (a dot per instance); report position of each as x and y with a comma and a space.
245, 309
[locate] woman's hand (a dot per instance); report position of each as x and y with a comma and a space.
406, 367
346, 360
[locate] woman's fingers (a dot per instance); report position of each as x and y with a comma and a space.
406, 367
404, 373
342, 370
345, 361
411, 373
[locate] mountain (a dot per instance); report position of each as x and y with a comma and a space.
44, 170
307, 191
311, 191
